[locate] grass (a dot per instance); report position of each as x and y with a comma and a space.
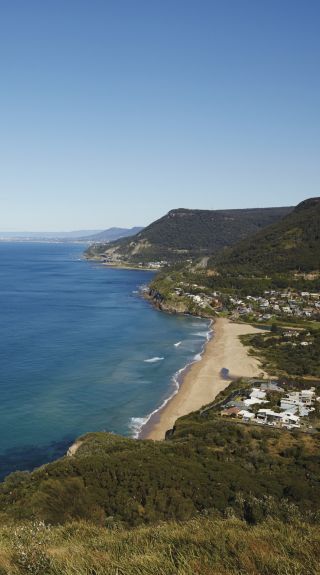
202, 546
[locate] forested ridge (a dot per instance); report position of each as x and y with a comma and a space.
289, 245
184, 233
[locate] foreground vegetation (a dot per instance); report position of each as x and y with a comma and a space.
216, 498
203, 546
206, 466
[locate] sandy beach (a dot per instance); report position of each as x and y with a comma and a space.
205, 379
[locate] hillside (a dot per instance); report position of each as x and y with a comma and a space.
182, 234
202, 546
207, 465
289, 245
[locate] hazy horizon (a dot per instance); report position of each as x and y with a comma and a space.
97, 230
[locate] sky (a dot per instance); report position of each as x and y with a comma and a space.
113, 112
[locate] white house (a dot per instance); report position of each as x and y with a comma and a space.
272, 417
256, 396
246, 415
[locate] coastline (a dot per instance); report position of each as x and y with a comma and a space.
120, 266
203, 380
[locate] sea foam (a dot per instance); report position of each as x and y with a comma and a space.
153, 359
136, 424
201, 334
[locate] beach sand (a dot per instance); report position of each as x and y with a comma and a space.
206, 378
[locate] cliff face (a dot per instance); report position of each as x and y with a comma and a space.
174, 306
170, 306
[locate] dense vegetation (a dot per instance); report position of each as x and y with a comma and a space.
290, 245
206, 466
201, 546
287, 355
182, 234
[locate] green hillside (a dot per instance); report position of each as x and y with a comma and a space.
183, 234
290, 245
208, 465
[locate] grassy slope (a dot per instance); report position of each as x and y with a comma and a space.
202, 546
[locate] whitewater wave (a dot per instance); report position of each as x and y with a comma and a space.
201, 334
177, 344
153, 359
137, 423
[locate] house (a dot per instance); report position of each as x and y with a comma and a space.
230, 411
290, 420
299, 401
247, 416
286, 309
270, 417
256, 396
307, 311
307, 396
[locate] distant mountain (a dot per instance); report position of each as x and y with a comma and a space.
112, 234
183, 234
291, 244
108, 235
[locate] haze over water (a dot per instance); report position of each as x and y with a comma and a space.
75, 340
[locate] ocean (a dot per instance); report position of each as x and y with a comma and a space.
80, 351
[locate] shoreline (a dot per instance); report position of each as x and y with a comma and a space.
120, 266
223, 359
142, 423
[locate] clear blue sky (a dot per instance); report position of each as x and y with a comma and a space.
112, 112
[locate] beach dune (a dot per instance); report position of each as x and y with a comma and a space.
224, 358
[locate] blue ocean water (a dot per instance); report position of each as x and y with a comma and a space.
76, 341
